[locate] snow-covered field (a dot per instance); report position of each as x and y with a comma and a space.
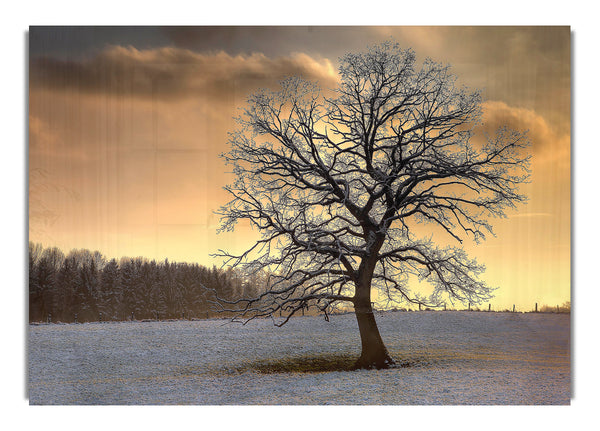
449, 357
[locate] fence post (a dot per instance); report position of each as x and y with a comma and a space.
132, 316
75, 317
100, 316
513, 308
444, 306
489, 307
469, 306
536, 307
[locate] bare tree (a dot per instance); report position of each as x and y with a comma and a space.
336, 186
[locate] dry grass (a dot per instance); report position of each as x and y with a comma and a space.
305, 364
310, 364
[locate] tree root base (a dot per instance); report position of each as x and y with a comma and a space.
382, 363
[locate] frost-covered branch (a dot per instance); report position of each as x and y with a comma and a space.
336, 185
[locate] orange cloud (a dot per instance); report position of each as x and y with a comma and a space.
547, 142
168, 73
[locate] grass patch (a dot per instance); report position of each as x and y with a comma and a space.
305, 364
311, 364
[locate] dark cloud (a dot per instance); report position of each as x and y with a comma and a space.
169, 73
78, 42
332, 41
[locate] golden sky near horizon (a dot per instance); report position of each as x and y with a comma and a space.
126, 126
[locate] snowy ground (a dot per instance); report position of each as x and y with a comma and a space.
452, 357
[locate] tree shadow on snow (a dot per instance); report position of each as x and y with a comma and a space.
310, 364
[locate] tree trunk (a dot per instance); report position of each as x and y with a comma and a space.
374, 353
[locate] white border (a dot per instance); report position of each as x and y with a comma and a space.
579, 14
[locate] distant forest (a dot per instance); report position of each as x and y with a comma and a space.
85, 286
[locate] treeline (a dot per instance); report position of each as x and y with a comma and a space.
85, 286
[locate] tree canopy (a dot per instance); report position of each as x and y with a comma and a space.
338, 184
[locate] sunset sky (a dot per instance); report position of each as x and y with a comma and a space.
126, 125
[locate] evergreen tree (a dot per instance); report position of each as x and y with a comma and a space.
109, 293
66, 282
85, 285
